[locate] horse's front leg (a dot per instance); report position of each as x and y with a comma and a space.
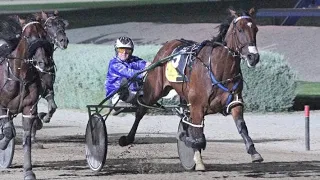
237, 114
27, 123
52, 106
37, 125
196, 138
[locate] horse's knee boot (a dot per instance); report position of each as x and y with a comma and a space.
7, 133
196, 143
243, 131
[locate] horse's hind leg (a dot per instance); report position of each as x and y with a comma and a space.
27, 123
129, 139
237, 114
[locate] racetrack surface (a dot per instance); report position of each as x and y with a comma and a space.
278, 137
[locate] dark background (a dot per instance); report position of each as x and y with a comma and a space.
201, 12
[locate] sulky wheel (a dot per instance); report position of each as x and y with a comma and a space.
6, 155
186, 154
96, 142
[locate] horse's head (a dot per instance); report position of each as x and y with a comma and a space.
241, 36
36, 47
55, 27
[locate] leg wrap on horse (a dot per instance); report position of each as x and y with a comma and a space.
7, 132
243, 131
196, 143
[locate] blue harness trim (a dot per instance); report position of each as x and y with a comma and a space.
225, 89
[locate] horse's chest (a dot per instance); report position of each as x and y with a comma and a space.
215, 105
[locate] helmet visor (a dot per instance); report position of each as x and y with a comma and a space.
124, 50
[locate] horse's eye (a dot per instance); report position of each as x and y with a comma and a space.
240, 30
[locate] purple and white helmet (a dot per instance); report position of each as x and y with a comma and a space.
124, 42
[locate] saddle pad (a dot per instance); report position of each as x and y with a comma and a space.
175, 68
172, 74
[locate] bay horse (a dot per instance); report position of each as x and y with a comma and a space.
20, 87
56, 35
214, 71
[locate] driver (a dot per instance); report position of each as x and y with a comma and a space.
122, 67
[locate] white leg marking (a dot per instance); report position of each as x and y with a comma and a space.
198, 160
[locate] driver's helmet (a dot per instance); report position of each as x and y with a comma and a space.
124, 42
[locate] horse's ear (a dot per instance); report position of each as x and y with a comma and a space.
22, 21
44, 15
252, 12
233, 13
56, 12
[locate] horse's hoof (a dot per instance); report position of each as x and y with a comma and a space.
46, 119
256, 158
200, 167
123, 141
30, 176
38, 124
43, 117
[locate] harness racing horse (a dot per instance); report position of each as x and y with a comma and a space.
214, 70
20, 87
55, 28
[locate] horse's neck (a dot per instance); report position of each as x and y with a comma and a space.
18, 57
223, 64
230, 39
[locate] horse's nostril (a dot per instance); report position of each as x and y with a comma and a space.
250, 56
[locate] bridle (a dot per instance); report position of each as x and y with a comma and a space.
33, 43
238, 45
53, 39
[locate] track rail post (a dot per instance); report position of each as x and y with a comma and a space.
307, 127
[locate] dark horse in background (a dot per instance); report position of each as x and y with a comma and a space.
214, 83
55, 28
20, 86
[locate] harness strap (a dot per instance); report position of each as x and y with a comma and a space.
28, 116
233, 103
191, 124
25, 26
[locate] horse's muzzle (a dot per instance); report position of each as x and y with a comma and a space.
62, 42
253, 59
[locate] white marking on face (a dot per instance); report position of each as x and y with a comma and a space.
253, 49
249, 24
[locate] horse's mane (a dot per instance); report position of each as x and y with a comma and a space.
10, 28
224, 26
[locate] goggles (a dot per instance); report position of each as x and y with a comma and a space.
124, 50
